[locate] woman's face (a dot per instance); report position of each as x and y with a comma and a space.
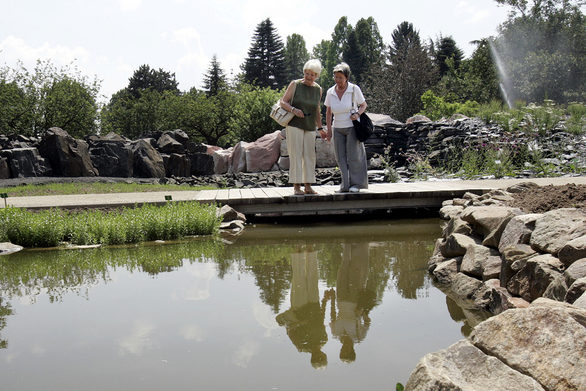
340, 79
309, 76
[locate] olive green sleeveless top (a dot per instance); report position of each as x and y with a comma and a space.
306, 98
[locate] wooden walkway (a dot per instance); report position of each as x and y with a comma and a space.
282, 201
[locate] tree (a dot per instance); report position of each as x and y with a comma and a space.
265, 64
447, 49
296, 55
364, 49
215, 79
395, 87
541, 50
31, 102
147, 78
130, 116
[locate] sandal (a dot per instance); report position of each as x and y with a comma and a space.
298, 192
310, 191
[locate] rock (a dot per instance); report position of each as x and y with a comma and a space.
68, 157
26, 162
557, 289
229, 214
556, 228
465, 287
521, 187
450, 211
455, 245
262, 154
573, 250
222, 160
238, 158
489, 221
148, 162
531, 281
581, 301
458, 226
493, 298
576, 313
463, 366
518, 231
517, 256
575, 271
324, 154
481, 262
112, 156
168, 144
4, 169
9, 248
575, 290
444, 272
546, 343
202, 164
417, 119
177, 165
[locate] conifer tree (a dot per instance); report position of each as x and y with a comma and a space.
215, 80
265, 64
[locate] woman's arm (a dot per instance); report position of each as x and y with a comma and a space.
286, 99
328, 123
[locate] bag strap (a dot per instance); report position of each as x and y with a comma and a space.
294, 90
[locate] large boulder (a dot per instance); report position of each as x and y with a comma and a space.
573, 250
201, 164
455, 245
112, 155
463, 366
556, 228
238, 158
262, 154
481, 262
324, 154
532, 280
148, 162
518, 231
4, 169
489, 221
68, 156
545, 341
222, 160
26, 162
576, 290
177, 165
168, 144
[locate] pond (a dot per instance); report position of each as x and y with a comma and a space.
340, 305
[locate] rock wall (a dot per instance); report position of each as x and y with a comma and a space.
529, 270
56, 153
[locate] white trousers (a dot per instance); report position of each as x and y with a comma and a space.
301, 146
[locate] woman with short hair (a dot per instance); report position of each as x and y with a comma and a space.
302, 98
340, 101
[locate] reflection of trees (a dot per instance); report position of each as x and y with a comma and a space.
28, 273
406, 262
5, 311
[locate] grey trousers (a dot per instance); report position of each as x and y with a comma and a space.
351, 158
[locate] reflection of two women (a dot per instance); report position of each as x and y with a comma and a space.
304, 321
354, 301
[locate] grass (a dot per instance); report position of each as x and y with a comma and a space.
50, 228
91, 188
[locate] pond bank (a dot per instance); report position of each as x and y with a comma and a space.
530, 270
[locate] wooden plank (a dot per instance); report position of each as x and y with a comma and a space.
234, 194
223, 196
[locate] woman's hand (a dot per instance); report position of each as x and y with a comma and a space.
328, 134
354, 116
298, 113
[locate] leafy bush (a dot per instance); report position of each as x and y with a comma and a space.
436, 107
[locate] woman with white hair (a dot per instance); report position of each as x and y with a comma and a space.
341, 102
302, 98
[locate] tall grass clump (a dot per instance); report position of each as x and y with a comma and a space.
49, 228
42, 229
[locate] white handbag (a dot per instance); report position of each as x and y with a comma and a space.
281, 115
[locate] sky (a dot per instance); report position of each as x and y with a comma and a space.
110, 39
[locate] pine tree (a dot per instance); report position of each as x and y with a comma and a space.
215, 80
265, 64
147, 78
446, 49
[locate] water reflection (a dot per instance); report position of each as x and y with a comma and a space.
353, 298
304, 321
311, 296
